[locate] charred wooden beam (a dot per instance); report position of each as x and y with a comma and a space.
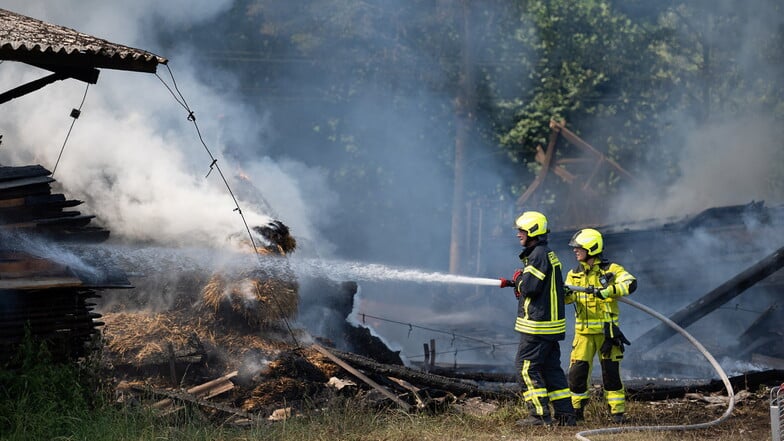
420, 378
749, 381
327, 353
712, 300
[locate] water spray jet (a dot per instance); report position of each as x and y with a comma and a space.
373, 272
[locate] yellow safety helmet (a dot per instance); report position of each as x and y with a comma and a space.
589, 239
532, 222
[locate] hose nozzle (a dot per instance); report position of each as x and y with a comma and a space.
506, 283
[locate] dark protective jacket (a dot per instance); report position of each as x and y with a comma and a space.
540, 310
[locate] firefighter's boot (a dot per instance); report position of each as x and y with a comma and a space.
619, 418
565, 420
579, 412
535, 419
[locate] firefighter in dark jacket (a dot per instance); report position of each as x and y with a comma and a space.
596, 322
541, 323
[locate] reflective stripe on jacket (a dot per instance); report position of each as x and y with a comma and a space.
540, 309
591, 312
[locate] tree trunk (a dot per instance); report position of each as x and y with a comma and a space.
464, 126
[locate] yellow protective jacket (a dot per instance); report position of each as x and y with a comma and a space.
592, 312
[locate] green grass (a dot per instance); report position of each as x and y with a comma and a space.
41, 400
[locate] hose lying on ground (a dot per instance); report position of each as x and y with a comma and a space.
583, 435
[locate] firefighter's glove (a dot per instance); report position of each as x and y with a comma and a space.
612, 337
603, 293
516, 279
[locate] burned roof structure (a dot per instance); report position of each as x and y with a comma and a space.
65, 52
44, 287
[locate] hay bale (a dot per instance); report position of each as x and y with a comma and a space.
261, 301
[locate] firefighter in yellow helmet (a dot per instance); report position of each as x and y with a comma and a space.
596, 322
541, 322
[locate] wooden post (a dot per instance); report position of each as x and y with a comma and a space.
432, 352
172, 364
426, 364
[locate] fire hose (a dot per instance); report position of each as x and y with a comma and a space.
730, 393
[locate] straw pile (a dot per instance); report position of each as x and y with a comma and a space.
141, 339
258, 297
258, 300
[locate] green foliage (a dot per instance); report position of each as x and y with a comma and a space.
39, 398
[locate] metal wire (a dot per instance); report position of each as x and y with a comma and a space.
175, 92
75, 115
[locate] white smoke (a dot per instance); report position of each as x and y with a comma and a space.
724, 163
132, 154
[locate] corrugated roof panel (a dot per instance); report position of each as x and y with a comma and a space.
33, 41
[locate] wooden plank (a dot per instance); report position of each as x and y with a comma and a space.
14, 202
27, 213
66, 221
405, 406
25, 171
40, 283
31, 190
62, 222
16, 265
85, 235
48, 322
205, 391
23, 182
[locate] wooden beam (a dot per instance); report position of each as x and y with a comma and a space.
205, 391
405, 406
32, 86
577, 141
712, 300
85, 74
546, 163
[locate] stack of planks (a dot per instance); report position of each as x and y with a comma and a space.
39, 293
